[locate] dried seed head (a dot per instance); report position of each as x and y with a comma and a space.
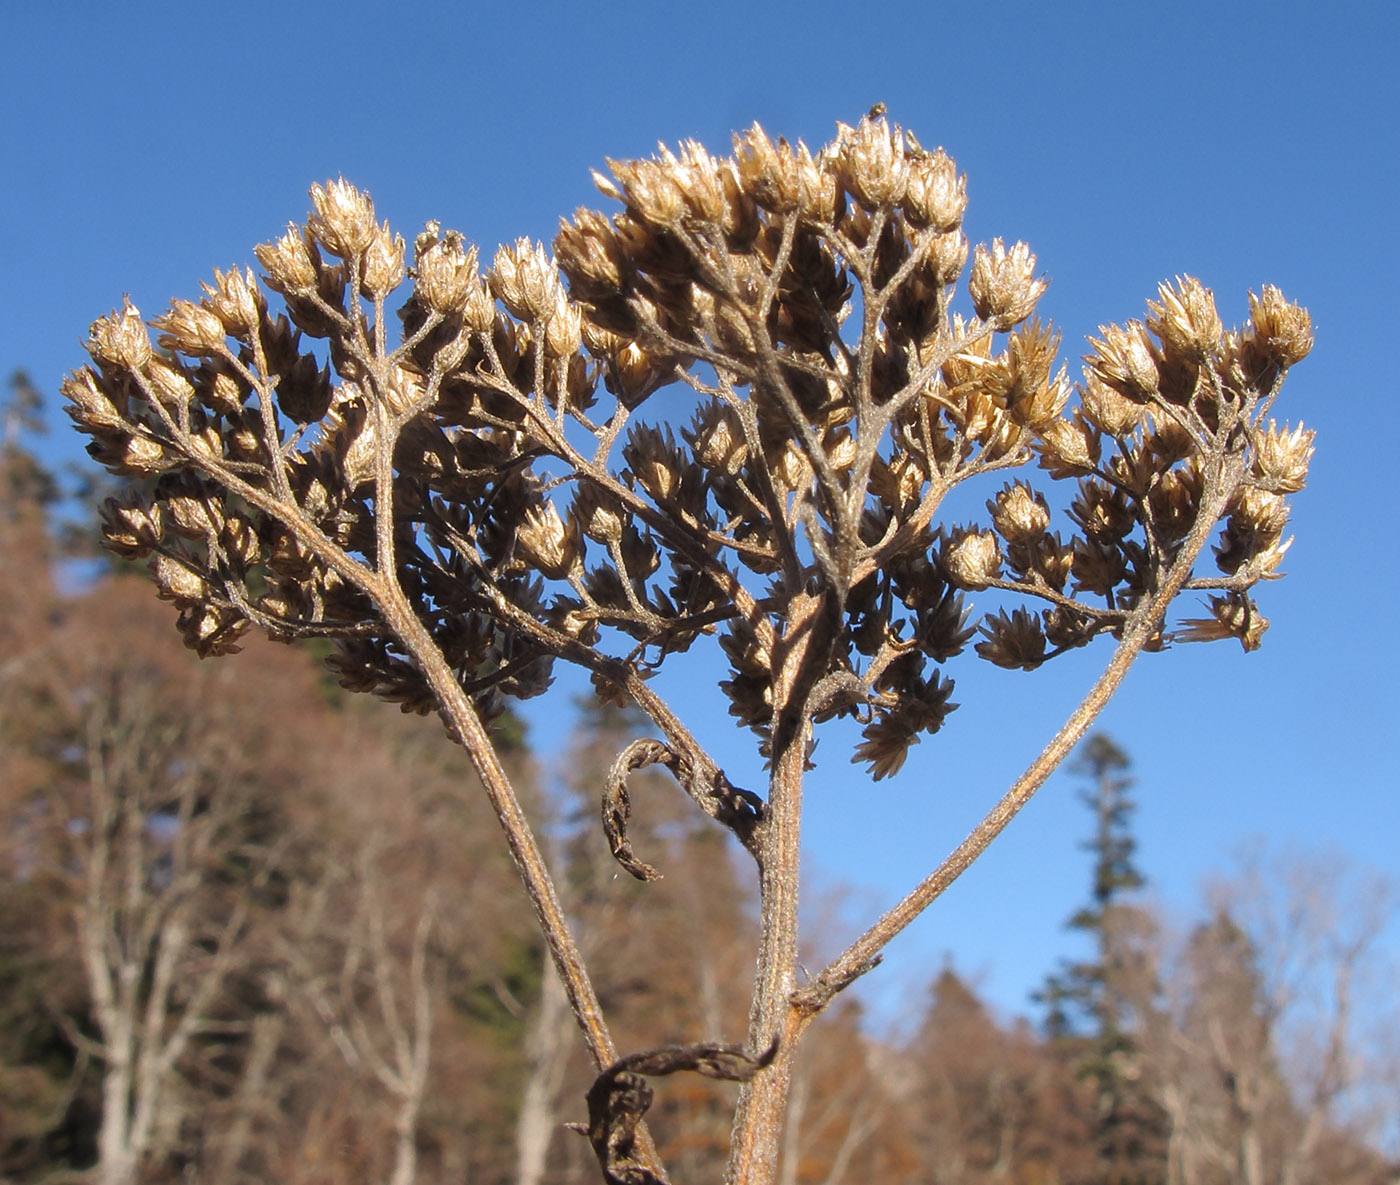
343, 218
234, 299
1014, 642
1282, 331
588, 252
171, 387
563, 331
770, 173
701, 180
936, 196
1185, 320
1124, 359
873, 166
120, 339
1069, 448
1264, 512
143, 457
549, 545
131, 526
655, 461
1019, 514
650, 189
1106, 409
841, 453
526, 280
1281, 457
383, 270
599, 518
717, 441
190, 329
446, 273
91, 409
948, 256
1097, 567
1003, 284
290, 267
176, 581
1234, 615
972, 558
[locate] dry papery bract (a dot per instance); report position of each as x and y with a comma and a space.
495, 482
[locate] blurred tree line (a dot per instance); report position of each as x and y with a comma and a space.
252, 930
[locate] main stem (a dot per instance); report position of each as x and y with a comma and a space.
758, 1121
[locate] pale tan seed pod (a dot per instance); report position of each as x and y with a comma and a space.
1283, 331
207, 443
190, 329
219, 391
1265, 513
841, 453
343, 218
446, 274
547, 543
701, 180
588, 248
563, 329
290, 267
1232, 616
790, 469
144, 457
972, 558
1106, 409
770, 173
177, 582
948, 255
1124, 359
597, 517
383, 268
404, 390
192, 517
717, 442
936, 195
1019, 514
817, 188
120, 339
1069, 448
172, 389
91, 406
525, 279
240, 541
1003, 284
874, 169
233, 298
1281, 457
130, 526
1185, 320
653, 461
648, 188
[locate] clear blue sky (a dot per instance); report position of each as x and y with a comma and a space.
143, 145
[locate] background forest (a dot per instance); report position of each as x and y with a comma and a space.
252, 930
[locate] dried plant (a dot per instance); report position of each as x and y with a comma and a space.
464, 500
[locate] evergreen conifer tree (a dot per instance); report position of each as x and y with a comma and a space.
1084, 1012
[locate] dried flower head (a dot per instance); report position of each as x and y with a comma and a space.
1280, 330
972, 558
343, 218
1003, 284
1282, 456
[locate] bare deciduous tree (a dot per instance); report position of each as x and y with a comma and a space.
462, 502
1248, 1026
